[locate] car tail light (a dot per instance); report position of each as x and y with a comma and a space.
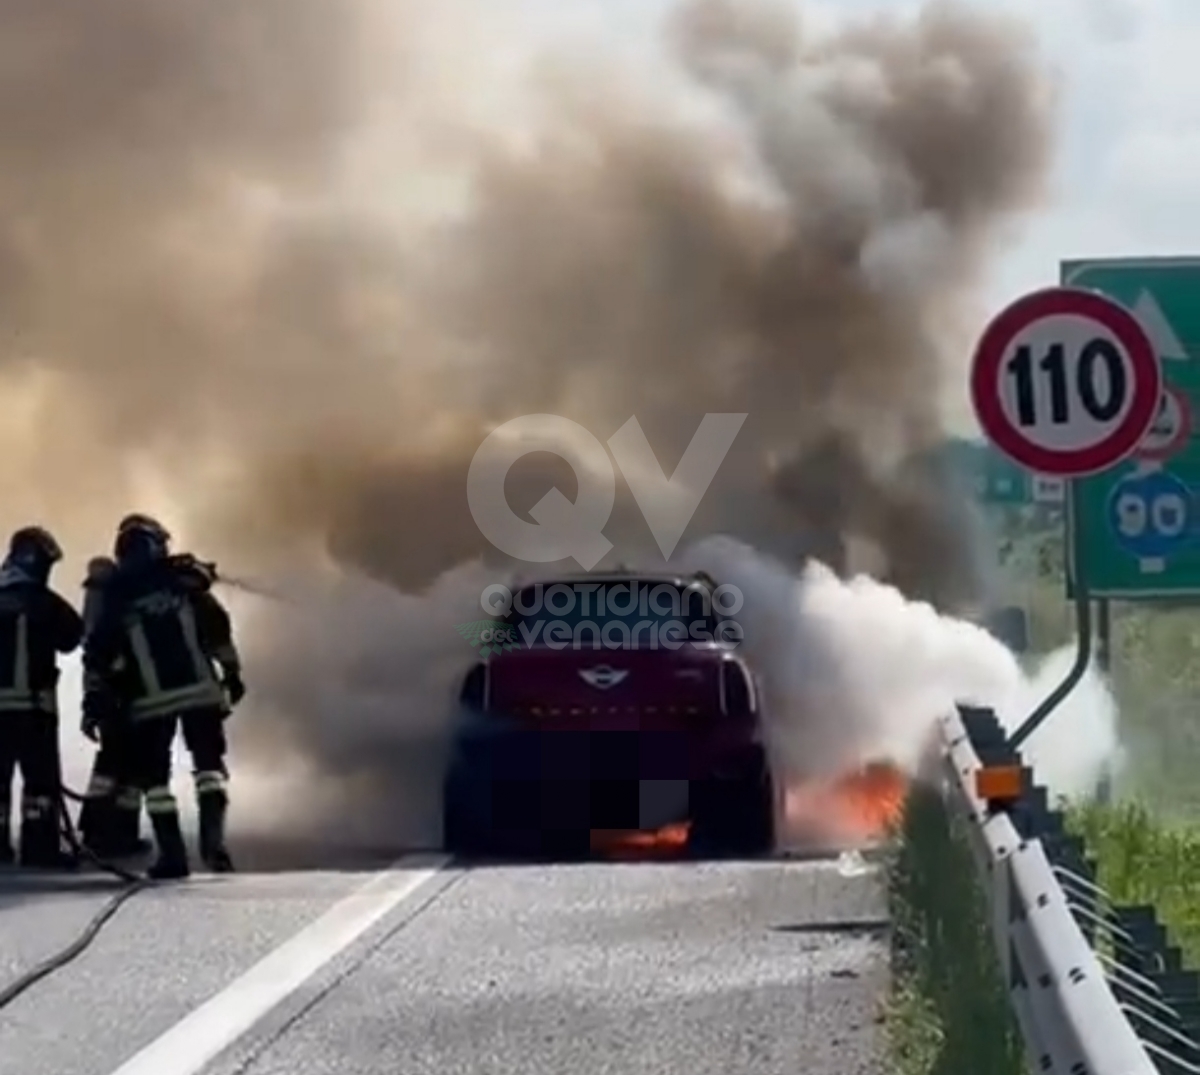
738, 697
474, 693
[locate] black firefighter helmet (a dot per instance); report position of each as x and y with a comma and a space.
141, 538
34, 550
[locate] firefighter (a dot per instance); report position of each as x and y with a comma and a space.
153, 658
111, 813
36, 626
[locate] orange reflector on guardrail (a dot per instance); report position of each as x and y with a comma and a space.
999, 783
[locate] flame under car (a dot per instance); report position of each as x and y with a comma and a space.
622, 723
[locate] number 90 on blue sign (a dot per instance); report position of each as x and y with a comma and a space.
1152, 516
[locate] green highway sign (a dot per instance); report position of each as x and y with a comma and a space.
1000, 481
1137, 532
994, 479
991, 477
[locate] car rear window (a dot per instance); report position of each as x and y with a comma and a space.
627, 601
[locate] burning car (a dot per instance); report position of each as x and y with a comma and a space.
616, 716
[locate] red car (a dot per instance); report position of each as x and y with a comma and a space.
618, 715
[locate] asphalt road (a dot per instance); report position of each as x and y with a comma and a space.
721, 968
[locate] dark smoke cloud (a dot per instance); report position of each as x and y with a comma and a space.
274, 270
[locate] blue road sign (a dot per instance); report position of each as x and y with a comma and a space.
1151, 516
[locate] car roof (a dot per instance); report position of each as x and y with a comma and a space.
620, 576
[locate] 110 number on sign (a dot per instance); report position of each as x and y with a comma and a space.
1100, 385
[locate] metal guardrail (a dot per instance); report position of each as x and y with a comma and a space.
1096, 988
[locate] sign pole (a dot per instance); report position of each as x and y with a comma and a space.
1083, 644
1104, 635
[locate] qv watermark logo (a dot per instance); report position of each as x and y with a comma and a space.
563, 528
615, 616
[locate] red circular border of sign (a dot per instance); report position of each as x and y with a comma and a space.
1161, 455
1014, 319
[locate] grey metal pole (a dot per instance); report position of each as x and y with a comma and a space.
1104, 786
1104, 635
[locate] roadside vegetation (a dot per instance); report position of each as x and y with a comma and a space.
948, 1013
1144, 835
1145, 859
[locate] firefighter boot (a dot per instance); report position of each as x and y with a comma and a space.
40, 845
96, 823
7, 856
172, 861
98, 817
126, 840
213, 804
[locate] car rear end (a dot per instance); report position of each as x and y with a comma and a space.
576, 748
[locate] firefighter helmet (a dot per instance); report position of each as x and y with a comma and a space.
34, 543
141, 536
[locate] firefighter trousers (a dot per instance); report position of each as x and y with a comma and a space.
109, 819
29, 745
152, 739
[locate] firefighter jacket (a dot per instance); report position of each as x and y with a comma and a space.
36, 625
158, 639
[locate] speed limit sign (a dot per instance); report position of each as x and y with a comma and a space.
1066, 382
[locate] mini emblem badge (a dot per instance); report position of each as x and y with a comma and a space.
602, 677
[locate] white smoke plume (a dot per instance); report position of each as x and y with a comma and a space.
1079, 743
855, 672
274, 270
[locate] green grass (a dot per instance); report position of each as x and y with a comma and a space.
1143, 859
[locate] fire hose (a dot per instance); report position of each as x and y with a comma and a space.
132, 883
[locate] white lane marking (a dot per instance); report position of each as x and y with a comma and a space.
199, 1037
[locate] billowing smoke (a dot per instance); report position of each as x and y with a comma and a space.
856, 672
275, 270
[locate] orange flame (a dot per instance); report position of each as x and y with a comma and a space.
665, 843
857, 808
